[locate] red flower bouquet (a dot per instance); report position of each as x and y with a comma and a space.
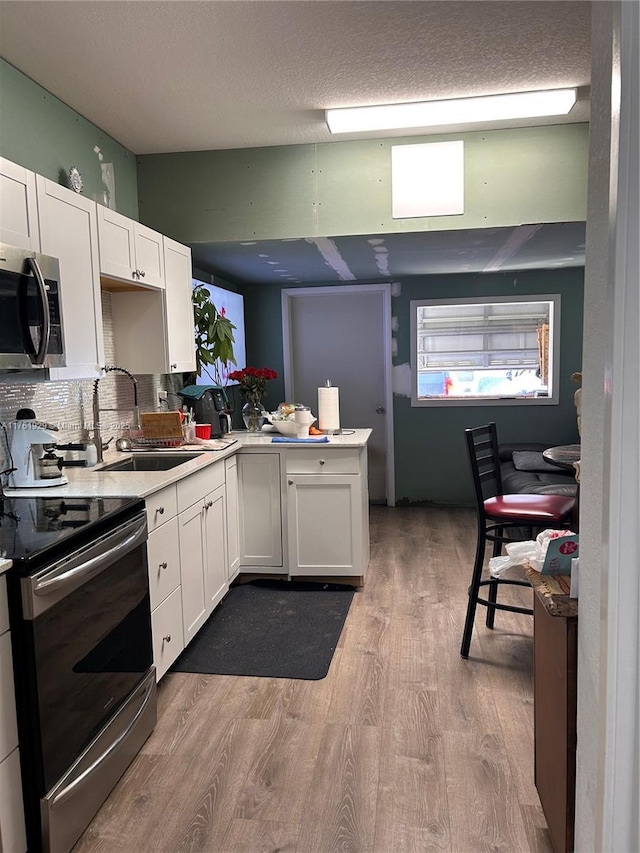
253, 381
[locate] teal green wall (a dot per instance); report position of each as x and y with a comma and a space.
430, 456
534, 174
41, 133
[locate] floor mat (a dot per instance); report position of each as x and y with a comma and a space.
270, 628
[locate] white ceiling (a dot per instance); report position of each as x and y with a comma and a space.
183, 76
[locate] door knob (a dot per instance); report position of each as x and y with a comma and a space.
380, 410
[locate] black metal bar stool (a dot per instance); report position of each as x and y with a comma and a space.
497, 515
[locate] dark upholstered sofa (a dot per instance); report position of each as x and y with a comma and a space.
524, 471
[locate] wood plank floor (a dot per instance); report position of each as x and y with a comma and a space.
402, 748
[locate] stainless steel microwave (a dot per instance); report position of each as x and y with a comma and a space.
31, 329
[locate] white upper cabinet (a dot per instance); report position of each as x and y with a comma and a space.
179, 307
68, 231
129, 251
18, 210
163, 319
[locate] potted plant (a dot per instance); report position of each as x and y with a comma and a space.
213, 338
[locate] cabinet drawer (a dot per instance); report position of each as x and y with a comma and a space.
161, 506
163, 554
166, 629
12, 831
340, 460
8, 727
4, 613
196, 486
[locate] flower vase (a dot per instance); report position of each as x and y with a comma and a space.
253, 416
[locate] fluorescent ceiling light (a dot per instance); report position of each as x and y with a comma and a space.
454, 111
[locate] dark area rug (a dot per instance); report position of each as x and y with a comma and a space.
270, 628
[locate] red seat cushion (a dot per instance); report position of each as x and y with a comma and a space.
529, 507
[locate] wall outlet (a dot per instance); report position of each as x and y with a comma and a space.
162, 396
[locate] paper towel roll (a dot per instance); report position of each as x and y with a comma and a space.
329, 409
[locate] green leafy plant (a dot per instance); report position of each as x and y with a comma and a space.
213, 338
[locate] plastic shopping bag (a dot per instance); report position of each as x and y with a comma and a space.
519, 553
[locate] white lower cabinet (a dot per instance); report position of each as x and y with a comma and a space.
261, 516
12, 830
192, 559
215, 529
233, 528
327, 512
203, 546
324, 534
163, 557
166, 621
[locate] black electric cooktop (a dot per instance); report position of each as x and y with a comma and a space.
35, 530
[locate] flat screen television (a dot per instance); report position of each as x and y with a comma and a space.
232, 304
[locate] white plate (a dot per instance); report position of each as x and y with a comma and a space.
268, 428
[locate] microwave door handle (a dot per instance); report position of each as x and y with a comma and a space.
44, 303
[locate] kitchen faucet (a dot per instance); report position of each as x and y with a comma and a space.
97, 436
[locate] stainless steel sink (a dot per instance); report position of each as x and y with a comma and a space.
150, 462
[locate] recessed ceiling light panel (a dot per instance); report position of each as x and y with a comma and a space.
454, 111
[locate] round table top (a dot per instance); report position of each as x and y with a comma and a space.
562, 456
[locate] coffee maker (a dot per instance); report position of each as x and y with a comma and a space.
210, 405
33, 460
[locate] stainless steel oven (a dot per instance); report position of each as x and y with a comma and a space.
31, 328
81, 626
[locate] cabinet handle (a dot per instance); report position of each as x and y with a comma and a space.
174, 367
160, 510
208, 505
134, 274
322, 461
290, 482
166, 638
141, 273
163, 565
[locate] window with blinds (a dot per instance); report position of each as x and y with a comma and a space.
500, 349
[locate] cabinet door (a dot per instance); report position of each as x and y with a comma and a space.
68, 231
192, 570
324, 524
18, 209
163, 557
117, 244
179, 307
149, 256
260, 511
12, 832
215, 522
8, 727
166, 630
233, 529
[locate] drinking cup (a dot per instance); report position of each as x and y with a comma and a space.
203, 431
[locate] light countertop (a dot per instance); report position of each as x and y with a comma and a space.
93, 482
5, 565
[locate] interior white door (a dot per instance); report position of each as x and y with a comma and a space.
342, 334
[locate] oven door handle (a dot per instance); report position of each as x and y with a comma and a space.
147, 691
89, 568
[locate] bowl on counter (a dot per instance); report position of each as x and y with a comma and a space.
289, 426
